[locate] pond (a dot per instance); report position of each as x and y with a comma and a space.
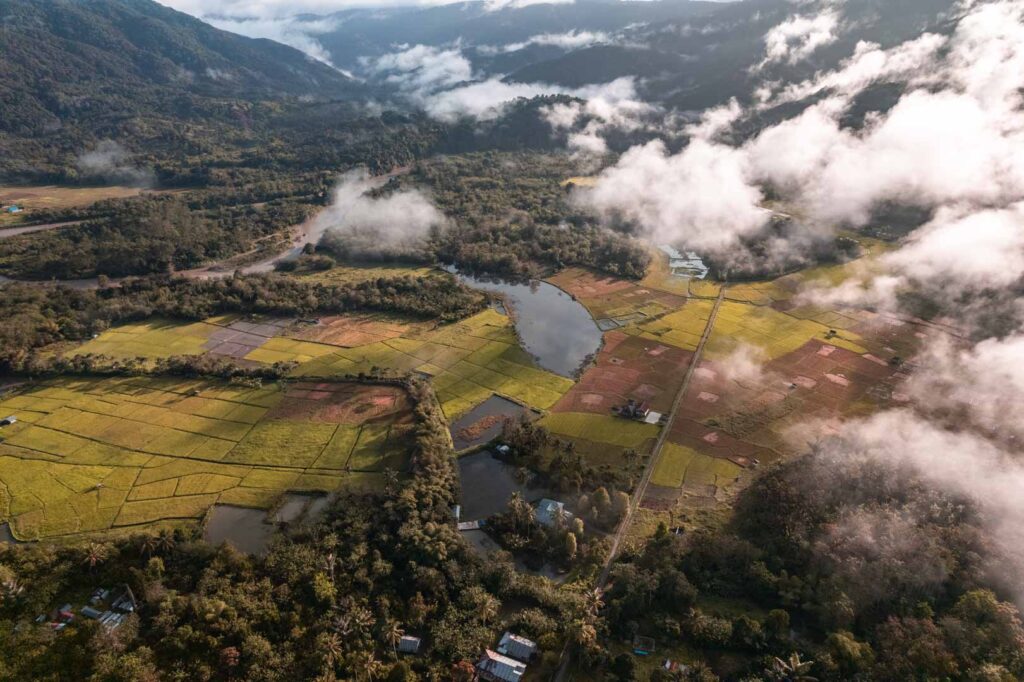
552, 326
5, 534
483, 423
243, 528
488, 484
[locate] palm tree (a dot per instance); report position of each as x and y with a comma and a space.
362, 618
332, 648
148, 545
488, 609
370, 666
582, 633
95, 554
393, 633
593, 602
790, 670
166, 541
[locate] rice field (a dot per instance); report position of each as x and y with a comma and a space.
467, 361
679, 465
90, 455
775, 333
600, 428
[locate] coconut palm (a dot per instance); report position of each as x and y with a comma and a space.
95, 554
593, 602
369, 666
791, 669
331, 647
166, 541
582, 633
393, 634
148, 545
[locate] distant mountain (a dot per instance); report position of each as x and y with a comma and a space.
84, 62
369, 33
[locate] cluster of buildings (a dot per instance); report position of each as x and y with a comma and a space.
108, 607
507, 662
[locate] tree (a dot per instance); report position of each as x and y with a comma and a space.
791, 669
393, 634
95, 554
369, 666
570, 546
331, 648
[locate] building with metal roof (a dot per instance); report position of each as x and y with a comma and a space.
498, 668
517, 647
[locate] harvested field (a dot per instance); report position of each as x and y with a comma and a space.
92, 455
615, 302
628, 368
352, 330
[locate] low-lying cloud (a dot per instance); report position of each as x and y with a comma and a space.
393, 225
109, 162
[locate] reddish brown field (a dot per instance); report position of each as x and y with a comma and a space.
611, 297
739, 418
628, 367
355, 330
340, 404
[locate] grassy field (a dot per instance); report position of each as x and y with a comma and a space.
100, 454
55, 197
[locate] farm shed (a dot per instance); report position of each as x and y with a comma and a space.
493, 666
517, 647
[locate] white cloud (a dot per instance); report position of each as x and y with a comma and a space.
701, 194
395, 224
956, 143
485, 99
799, 36
422, 69
569, 40
292, 31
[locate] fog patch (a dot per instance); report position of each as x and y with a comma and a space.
367, 222
109, 162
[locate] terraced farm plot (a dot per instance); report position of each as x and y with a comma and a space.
679, 465
105, 454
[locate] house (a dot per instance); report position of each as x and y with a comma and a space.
633, 410
90, 612
517, 647
493, 666
550, 511
7, 421
409, 645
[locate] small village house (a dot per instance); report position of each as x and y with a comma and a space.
498, 668
517, 647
